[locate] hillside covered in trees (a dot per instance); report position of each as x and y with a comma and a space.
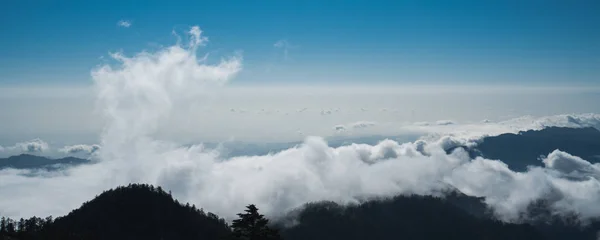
137, 211
141, 211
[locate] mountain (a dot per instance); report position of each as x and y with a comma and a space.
455, 216
525, 148
402, 217
141, 211
27, 161
557, 227
137, 211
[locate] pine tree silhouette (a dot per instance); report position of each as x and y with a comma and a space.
253, 226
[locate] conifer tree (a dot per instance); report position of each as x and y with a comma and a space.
253, 226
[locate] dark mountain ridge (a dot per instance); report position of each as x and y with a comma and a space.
141, 211
527, 147
401, 217
137, 211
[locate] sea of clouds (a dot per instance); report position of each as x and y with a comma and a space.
137, 94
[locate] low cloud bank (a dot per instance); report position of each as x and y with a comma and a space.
313, 171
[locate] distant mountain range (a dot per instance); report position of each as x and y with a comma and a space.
516, 150
28, 161
525, 148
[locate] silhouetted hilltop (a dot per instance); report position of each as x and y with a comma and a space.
525, 148
141, 211
558, 227
138, 211
403, 217
27, 161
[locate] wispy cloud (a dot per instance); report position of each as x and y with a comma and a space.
285, 46
80, 148
353, 126
339, 128
445, 122
124, 23
326, 112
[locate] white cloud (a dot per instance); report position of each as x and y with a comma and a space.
80, 149
33, 146
444, 122
280, 44
196, 38
562, 120
353, 126
326, 112
124, 23
421, 124
362, 124
438, 122
40, 147
339, 128
285, 46
138, 88
311, 172
571, 166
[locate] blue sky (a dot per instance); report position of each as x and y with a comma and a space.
362, 42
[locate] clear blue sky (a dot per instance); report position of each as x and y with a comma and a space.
400, 42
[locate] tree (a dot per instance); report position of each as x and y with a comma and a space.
253, 226
2, 225
48, 221
10, 226
21, 225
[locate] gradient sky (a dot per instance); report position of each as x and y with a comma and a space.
364, 42
308, 66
